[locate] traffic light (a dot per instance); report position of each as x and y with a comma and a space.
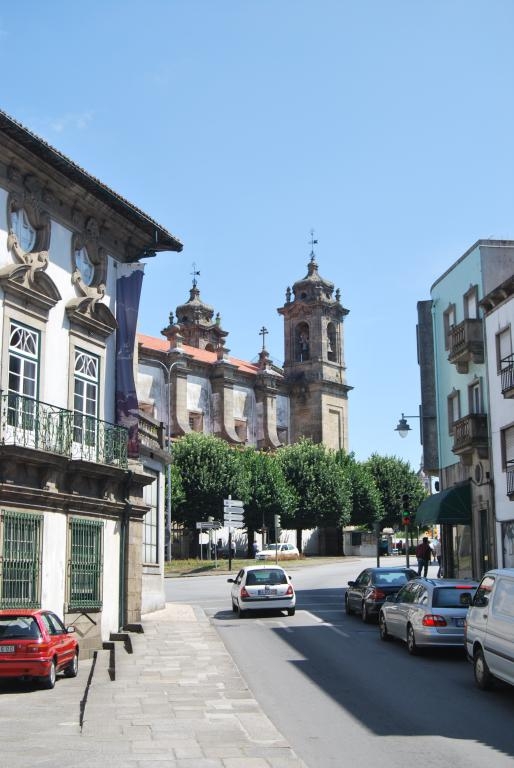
406, 509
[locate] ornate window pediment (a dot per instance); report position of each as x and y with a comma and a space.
25, 280
88, 275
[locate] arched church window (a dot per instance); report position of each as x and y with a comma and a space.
331, 343
302, 342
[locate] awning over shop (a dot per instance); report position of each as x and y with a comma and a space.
453, 505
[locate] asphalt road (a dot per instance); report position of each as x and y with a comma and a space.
341, 696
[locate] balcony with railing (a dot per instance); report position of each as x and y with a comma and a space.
466, 342
29, 423
507, 376
470, 436
151, 435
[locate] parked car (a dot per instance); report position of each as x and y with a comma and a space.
35, 644
262, 588
428, 612
366, 594
489, 629
285, 552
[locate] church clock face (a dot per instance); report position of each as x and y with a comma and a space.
84, 265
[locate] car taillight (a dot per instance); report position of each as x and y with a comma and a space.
432, 620
289, 590
377, 594
33, 648
244, 593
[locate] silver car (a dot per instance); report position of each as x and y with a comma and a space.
427, 613
262, 588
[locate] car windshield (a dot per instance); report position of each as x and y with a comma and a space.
266, 576
272, 546
18, 626
452, 597
390, 579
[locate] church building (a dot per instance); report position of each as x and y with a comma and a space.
189, 382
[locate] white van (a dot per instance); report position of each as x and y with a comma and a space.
489, 628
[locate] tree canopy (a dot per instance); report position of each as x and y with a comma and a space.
210, 471
393, 478
322, 491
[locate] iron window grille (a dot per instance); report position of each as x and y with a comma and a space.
20, 559
85, 564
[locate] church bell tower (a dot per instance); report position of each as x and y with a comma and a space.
314, 367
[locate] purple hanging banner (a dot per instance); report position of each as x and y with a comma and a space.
128, 293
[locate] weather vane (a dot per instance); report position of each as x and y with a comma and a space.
263, 333
312, 242
195, 273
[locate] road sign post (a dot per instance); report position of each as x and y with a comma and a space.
233, 514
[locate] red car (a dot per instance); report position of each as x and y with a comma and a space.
36, 644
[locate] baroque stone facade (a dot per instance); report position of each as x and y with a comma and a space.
259, 404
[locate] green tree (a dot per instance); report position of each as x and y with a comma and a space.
269, 493
209, 471
321, 488
367, 506
393, 478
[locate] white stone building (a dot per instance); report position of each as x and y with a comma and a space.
74, 494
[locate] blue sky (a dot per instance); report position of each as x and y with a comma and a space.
384, 125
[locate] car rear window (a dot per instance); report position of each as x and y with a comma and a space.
391, 579
452, 597
266, 576
18, 626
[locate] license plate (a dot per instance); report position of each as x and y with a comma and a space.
459, 622
6, 648
267, 591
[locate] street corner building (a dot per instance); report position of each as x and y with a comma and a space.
189, 382
74, 492
465, 353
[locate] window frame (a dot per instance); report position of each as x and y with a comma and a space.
449, 314
454, 397
82, 567
151, 530
26, 525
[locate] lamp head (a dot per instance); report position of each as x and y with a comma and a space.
403, 427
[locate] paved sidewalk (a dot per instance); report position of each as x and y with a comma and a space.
178, 701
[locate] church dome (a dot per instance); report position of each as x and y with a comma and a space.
313, 287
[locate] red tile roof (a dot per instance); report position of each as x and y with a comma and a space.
200, 355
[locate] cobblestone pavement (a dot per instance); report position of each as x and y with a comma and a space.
177, 701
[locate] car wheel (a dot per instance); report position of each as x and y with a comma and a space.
347, 606
483, 677
291, 611
241, 612
411, 641
364, 613
382, 626
73, 667
49, 680
234, 607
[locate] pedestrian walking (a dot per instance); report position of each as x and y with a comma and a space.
423, 555
436, 549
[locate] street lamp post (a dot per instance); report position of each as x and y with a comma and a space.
167, 525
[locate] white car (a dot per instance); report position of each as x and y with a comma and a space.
262, 588
489, 631
285, 552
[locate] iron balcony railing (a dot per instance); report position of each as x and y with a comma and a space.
33, 424
507, 375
